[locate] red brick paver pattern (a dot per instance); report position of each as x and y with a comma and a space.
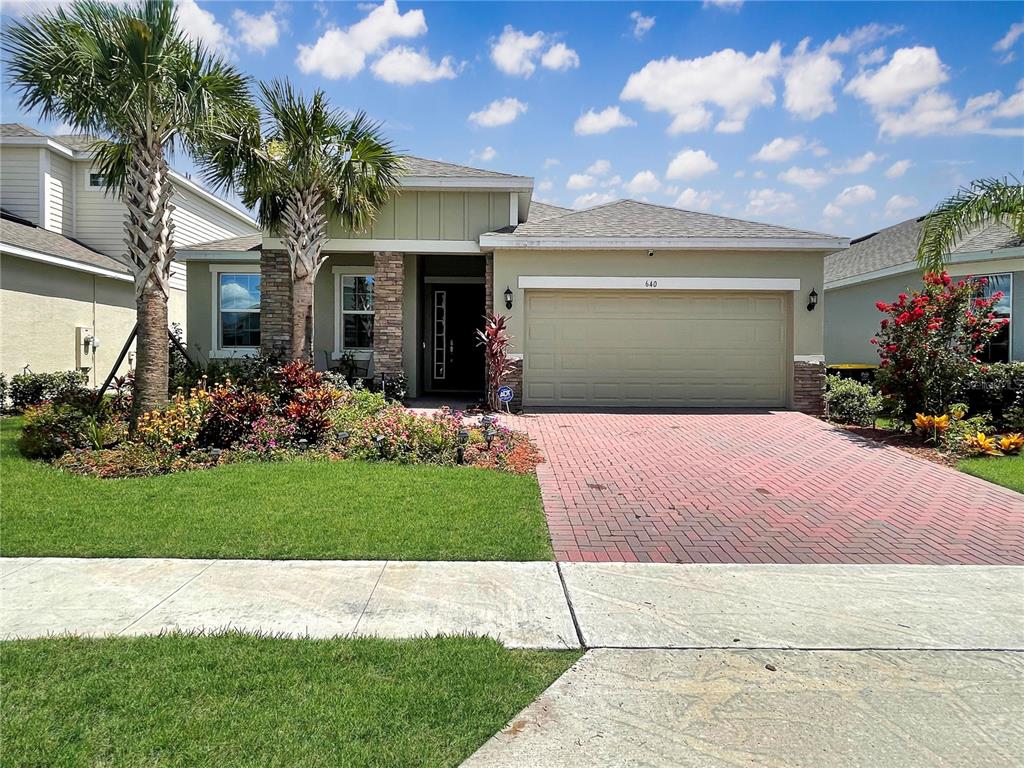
758, 488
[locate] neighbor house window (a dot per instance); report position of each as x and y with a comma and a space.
97, 180
356, 315
998, 349
238, 306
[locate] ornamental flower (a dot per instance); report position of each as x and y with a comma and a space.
1011, 443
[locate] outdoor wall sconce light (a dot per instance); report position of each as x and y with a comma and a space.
812, 300
508, 297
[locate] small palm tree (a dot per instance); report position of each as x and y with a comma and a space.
980, 203
299, 163
128, 75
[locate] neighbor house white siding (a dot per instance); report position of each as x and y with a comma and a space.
197, 220
60, 198
19, 181
100, 217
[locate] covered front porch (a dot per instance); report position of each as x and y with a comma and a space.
388, 313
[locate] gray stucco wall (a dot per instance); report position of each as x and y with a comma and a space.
851, 318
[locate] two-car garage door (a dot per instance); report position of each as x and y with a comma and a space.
657, 348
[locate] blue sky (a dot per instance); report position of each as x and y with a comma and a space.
838, 117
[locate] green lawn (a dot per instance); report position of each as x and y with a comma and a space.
234, 700
1001, 470
299, 510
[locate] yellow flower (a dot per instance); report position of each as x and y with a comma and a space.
957, 412
981, 443
1011, 443
940, 423
924, 422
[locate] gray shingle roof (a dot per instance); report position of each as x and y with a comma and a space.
421, 166
17, 129
243, 243
76, 141
20, 233
544, 211
631, 218
896, 246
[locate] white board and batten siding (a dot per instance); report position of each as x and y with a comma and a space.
19, 181
60, 199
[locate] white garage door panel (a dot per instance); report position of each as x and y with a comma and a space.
704, 348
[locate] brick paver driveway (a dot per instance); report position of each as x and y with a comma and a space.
774, 487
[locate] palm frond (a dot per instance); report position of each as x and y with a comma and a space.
979, 204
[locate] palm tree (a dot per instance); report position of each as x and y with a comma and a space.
980, 203
128, 74
301, 162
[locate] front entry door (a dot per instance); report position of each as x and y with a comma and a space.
455, 359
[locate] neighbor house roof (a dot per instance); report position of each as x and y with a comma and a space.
895, 248
630, 223
240, 244
421, 166
22, 238
11, 130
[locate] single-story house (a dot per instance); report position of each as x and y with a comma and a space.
880, 266
625, 304
67, 296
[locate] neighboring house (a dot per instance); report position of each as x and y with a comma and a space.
880, 266
63, 270
626, 304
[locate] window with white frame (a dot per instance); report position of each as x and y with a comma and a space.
238, 310
355, 316
998, 349
97, 181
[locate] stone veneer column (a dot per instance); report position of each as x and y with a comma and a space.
275, 303
489, 283
389, 279
809, 387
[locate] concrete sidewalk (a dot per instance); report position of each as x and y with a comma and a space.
527, 605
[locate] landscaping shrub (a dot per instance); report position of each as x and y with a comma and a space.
850, 402
998, 389
176, 428
397, 434
51, 429
229, 414
133, 460
394, 387
929, 342
27, 389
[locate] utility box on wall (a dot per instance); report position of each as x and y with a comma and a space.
85, 347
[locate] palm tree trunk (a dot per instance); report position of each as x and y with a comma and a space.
305, 230
149, 235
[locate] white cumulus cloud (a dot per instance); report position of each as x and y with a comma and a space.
807, 178
257, 33
856, 164
560, 57
690, 164
643, 183
599, 168
766, 203
498, 112
641, 24
404, 66
202, 26
592, 198
898, 205
517, 53
607, 119
1007, 41
810, 78
688, 89
342, 52
580, 181
909, 72
897, 169
692, 200
858, 194
778, 150
485, 155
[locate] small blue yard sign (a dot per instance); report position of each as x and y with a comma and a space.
505, 394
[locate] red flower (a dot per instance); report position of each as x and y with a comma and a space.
882, 307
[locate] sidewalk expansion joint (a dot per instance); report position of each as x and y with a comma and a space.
572, 608
369, 597
137, 619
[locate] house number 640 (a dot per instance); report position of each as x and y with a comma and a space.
651, 284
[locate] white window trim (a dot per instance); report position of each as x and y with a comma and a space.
1009, 295
101, 190
658, 283
340, 273
216, 270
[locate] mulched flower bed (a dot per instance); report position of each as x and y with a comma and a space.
905, 441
